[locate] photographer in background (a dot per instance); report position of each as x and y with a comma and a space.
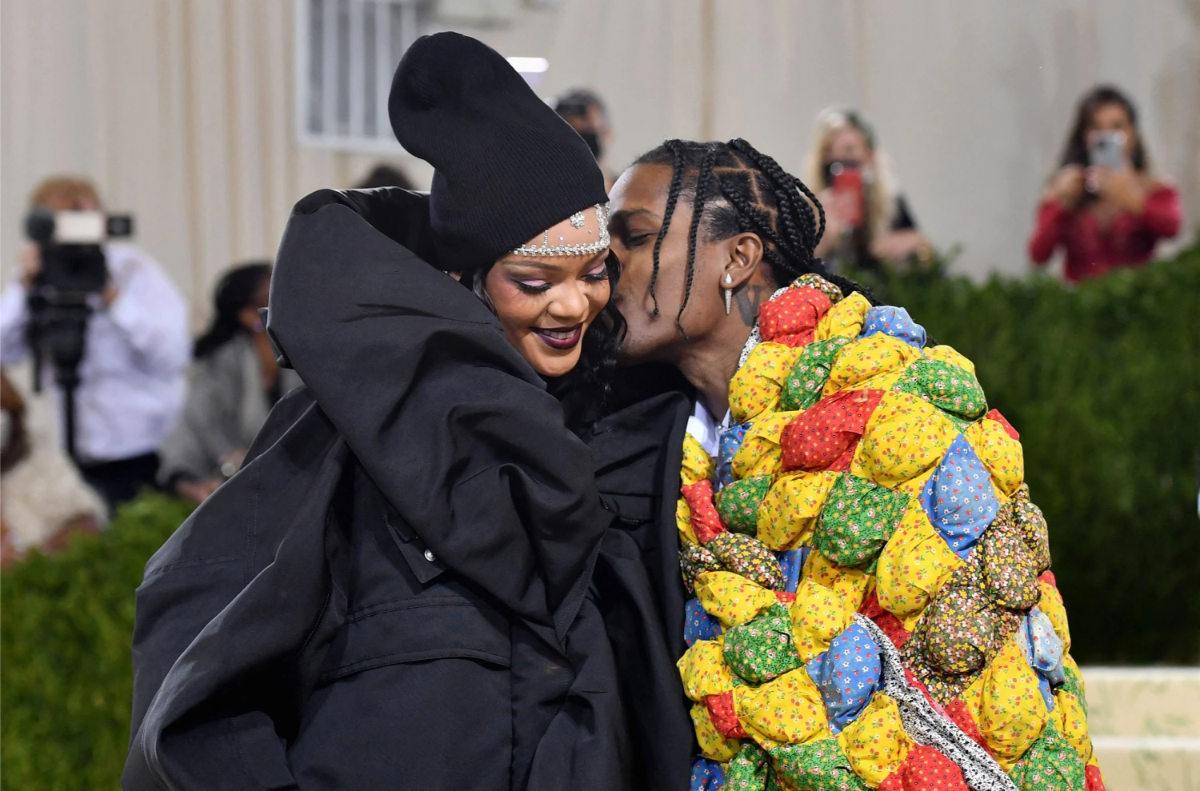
234, 383
868, 222
136, 348
587, 115
1102, 205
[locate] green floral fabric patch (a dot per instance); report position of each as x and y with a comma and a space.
803, 385
858, 519
1050, 764
950, 388
738, 503
762, 649
816, 766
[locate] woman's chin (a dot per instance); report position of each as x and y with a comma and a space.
554, 364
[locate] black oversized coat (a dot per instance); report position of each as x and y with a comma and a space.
415, 582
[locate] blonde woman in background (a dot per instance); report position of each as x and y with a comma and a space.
868, 220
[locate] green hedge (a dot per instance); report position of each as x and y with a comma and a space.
65, 631
1103, 382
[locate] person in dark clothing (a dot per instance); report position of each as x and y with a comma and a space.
412, 581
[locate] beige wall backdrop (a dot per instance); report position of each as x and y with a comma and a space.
182, 109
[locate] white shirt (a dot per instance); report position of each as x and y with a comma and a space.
705, 428
138, 348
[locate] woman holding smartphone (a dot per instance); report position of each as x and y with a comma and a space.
1103, 205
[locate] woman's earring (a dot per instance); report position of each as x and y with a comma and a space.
728, 291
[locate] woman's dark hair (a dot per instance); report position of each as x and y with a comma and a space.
586, 389
734, 188
1076, 150
234, 293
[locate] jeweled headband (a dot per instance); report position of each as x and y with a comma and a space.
577, 221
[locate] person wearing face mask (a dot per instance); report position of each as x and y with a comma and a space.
1103, 205
588, 116
233, 384
402, 586
869, 221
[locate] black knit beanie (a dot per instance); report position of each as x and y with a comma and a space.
507, 167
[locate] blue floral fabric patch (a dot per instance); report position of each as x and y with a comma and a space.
791, 562
847, 675
959, 499
1044, 651
707, 776
699, 624
730, 440
888, 320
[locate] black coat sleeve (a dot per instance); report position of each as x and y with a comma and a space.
225, 614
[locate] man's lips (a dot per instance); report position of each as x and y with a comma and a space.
560, 337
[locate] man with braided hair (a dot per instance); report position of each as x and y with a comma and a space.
866, 599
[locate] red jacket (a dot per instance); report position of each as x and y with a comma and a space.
1129, 240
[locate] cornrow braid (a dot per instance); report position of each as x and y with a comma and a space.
735, 188
702, 178
677, 167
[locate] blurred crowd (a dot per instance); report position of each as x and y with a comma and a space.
154, 408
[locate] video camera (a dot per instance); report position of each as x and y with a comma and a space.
73, 273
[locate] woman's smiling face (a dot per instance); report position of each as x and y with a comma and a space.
546, 304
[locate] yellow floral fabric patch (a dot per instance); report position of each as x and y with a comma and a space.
703, 670
683, 522
948, 354
852, 584
760, 453
757, 385
713, 745
1007, 705
818, 615
1000, 454
697, 464
844, 320
914, 565
789, 512
786, 710
731, 598
905, 438
863, 362
876, 742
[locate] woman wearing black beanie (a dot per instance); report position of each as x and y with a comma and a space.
399, 589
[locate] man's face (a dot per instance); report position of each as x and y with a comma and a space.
638, 202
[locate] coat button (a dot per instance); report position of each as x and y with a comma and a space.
429, 555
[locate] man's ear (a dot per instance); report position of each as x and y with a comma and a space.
745, 256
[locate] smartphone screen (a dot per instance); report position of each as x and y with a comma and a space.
1108, 150
848, 187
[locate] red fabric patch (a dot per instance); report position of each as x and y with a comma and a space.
825, 436
887, 622
1008, 429
785, 597
957, 712
724, 717
1094, 781
925, 769
1048, 577
706, 522
792, 317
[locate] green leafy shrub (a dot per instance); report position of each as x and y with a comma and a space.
66, 626
1103, 382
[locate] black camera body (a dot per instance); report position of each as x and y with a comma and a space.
73, 271
73, 263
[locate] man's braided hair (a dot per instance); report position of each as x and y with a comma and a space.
734, 188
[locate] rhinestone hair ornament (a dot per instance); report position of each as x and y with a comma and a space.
577, 220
